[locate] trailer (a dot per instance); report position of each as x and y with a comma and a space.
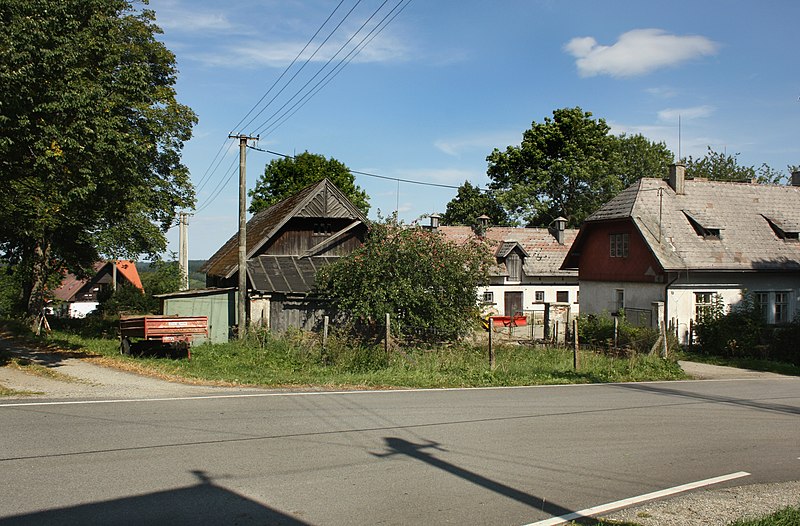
161, 335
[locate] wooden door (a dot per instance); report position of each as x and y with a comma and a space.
513, 303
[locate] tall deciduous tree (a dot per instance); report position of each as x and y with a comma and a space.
90, 137
470, 203
721, 166
286, 176
570, 166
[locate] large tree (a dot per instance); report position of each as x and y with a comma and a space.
286, 176
569, 166
721, 166
90, 137
470, 203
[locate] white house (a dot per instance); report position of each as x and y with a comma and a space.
665, 249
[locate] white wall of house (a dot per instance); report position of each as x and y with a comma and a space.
533, 295
80, 309
780, 292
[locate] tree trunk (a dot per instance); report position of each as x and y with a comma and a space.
41, 270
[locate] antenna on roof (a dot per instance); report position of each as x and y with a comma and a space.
679, 137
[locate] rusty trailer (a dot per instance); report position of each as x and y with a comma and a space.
171, 335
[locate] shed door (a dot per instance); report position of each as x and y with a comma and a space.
513, 303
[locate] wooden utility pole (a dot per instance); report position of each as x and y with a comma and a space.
183, 249
242, 304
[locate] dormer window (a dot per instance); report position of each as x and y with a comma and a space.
784, 229
513, 255
703, 225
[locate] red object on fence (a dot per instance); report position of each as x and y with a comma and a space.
518, 320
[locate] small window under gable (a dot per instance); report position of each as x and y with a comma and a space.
703, 224
786, 229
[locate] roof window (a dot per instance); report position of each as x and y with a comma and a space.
704, 225
784, 228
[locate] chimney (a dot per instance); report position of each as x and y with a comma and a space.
677, 178
561, 225
483, 222
796, 178
435, 221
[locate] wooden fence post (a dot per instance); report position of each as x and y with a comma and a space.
388, 333
325, 321
616, 332
665, 346
575, 357
491, 348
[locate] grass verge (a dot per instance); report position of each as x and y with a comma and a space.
35, 369
786, 517
299, 361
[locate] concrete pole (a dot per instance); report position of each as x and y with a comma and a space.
183, 249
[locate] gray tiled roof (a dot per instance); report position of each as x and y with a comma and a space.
738, 210
543, 253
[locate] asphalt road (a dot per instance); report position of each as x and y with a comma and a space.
490, 456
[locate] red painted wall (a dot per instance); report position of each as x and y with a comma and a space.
597, 264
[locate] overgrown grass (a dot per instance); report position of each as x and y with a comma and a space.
299, 360
743, 363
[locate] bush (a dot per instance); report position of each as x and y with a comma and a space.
598, 331
427, 284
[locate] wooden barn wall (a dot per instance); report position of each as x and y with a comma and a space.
297, 313
299, 235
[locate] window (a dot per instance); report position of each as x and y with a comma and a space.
562, 296
781, 307
539, 295
619, 245
488, 297
322, 229
703, 303
761, 303
514, 267
619, 299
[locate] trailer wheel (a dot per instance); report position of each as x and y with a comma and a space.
125, 347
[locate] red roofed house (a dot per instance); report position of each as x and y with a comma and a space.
78, 297
528, 273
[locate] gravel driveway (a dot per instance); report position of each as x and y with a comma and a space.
85, 380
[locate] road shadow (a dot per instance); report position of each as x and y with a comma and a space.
47, 353
202, 503
717, 399
421, 452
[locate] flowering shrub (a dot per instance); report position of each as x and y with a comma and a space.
427, 284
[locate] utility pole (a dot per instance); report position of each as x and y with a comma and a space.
242, 304
183, 249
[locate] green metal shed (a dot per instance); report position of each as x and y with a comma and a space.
218, 304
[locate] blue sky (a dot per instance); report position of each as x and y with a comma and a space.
445, 82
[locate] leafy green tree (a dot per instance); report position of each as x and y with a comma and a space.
425, 282
90, 137
570, 166
720, 166
285, 177
470, 203
639, 157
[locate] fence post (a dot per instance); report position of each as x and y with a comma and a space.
691, 335
491, 348
575, 357
665, 347
616, 332
387, 336
325, 321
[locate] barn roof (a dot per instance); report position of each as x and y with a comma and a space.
319, 200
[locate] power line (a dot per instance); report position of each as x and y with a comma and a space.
336, 70
367, 174
320, 70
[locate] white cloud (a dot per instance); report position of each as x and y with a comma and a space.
697, 112
637, 52
484, 143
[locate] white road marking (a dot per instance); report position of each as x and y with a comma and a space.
603, 508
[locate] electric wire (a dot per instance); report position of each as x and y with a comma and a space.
308, 60
285, 71
364, 42
321, 69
